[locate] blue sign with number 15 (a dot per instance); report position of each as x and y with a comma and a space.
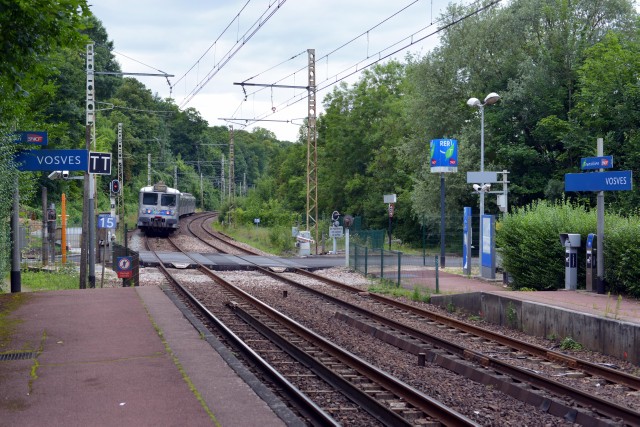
106, 221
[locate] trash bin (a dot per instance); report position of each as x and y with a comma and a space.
592, 274
571, 243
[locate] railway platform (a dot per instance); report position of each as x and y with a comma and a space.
119, 357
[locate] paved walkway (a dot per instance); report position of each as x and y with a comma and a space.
611, 306
116, 357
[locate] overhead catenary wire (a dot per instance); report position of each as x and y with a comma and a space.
359, 66
253, 29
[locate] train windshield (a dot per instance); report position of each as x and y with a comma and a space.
168, 200
149, 198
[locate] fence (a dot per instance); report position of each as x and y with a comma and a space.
36, 251
39, 249
395, 267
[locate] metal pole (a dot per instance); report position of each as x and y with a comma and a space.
600, 231
480, 236
442, 220
389, 212
16, 285
149, 169
92, 234
44, 226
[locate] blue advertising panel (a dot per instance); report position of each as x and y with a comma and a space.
52, 160
598, 181
31, 137
488, 248
591, 163
444, 155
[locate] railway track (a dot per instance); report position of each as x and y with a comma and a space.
327, 366
582, 407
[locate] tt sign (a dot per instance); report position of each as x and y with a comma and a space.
52, 160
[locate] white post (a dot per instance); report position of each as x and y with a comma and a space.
346, 247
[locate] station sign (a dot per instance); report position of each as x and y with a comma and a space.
31, 137
598, 181
592, 163
444, 155
52, 160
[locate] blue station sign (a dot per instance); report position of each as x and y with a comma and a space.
52, 160
598, 181
444, 155
31, 137
591, 163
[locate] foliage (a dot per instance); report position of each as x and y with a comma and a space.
622, 252
531, 252
50, 281
570, 344
529, 242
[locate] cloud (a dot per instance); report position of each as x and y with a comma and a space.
171, 36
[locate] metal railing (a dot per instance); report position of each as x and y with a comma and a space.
395, 267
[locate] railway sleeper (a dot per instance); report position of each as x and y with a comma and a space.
516, 389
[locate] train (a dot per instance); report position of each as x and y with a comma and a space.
160, 208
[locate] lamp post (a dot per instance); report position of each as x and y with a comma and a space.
490, 99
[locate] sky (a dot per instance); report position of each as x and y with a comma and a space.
209, 45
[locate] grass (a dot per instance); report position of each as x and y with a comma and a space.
48, 281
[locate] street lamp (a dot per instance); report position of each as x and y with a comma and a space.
490, 99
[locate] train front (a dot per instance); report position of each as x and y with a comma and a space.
158, 209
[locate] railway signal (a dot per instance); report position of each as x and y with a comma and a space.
115, 186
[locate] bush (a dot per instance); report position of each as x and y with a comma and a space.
622, 253
531, 252
529, 242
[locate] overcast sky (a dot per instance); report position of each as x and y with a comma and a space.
188, 39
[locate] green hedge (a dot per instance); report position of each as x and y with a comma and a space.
533, 256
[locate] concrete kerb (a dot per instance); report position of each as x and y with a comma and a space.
612, 337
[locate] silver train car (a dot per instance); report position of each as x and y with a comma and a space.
160, 208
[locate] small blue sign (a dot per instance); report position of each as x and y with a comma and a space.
598, 181
31, 137
591, 163
444, 155
106, 221
52, 160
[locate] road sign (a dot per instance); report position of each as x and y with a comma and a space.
598, 181
31, 137
444, 155
591, 163
106, 221
336, 231
52, 160
124, 267
99, 163
391, 210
